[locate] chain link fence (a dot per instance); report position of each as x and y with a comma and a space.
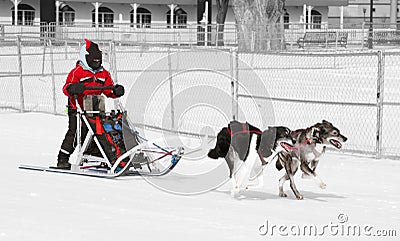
391, 105
308, 88
197, 90
34, 71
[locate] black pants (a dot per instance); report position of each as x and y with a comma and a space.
69, 143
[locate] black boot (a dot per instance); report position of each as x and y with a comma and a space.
62, 162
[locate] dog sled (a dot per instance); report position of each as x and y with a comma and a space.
112, 146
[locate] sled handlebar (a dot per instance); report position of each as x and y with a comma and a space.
96, 88
99, 88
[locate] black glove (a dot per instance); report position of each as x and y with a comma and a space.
76, 89
119, 90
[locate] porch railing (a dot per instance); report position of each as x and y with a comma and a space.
357, 36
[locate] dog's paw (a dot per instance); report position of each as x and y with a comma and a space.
322, 185
305, 176
299, 197
282, 195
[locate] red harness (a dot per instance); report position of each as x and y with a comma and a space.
244, 130
296, 148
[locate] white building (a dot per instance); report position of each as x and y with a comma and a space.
384, 11
112, 12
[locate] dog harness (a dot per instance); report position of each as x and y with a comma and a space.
295, 134
241, 137
245, 130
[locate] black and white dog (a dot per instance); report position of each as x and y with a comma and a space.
310, 144
247, 150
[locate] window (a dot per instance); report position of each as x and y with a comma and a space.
180, 18
316, 19
25, 15
106, 17
286, 20
143, 18
67, 15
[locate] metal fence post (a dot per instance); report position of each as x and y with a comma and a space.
112, 59
66, 49
109, 55
171, 90
234, 83
379, 103
21, 84
53, 81
44, 55
237, 83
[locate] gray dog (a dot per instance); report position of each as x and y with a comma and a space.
309, 146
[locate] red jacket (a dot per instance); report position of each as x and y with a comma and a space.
81, 75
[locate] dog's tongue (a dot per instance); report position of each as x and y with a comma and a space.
287, 146
336, 143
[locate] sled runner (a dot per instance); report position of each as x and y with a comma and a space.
112, 147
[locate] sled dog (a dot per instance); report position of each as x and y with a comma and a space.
247, 150
310, 145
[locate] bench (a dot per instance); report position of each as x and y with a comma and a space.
326, 37
387, 37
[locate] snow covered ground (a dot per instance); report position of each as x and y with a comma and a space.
361, 193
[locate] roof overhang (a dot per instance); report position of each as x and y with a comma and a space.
317, 2
194, 2
164, 2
